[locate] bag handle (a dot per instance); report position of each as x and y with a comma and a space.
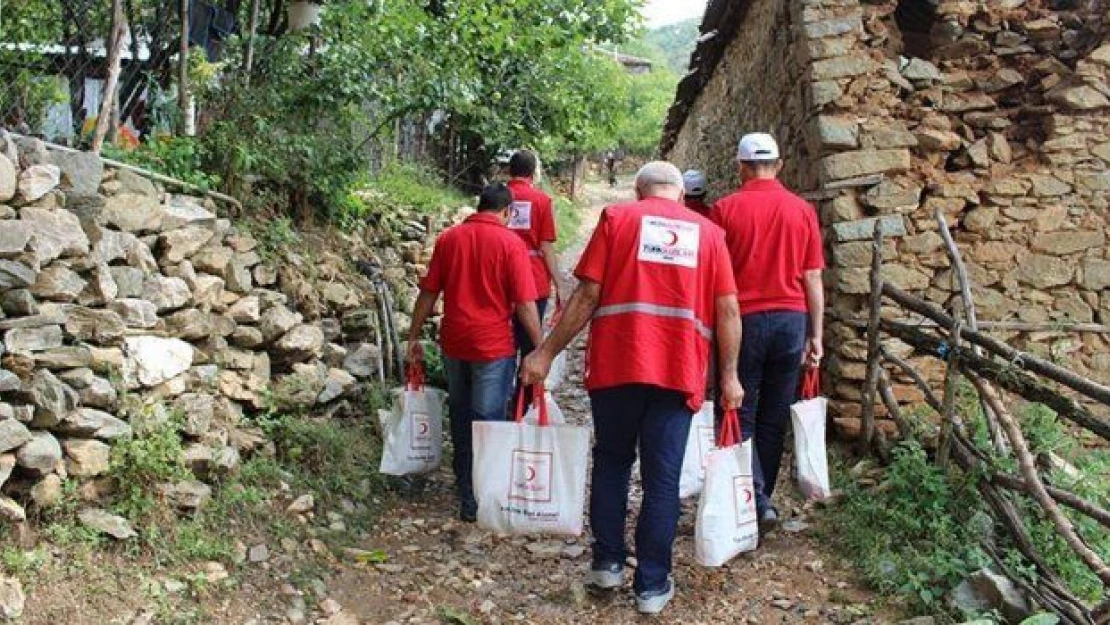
539, 399
811, 383
415, 377
730, 430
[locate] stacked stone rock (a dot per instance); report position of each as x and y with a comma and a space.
111, 289
1003, 126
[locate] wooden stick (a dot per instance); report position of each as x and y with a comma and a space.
1033, 482
1056, 373
1070, 500
905, 429
971, 318
1007, 377
183, 67
146, 173
248, 63
115, 54
948, 405
930, 397
1001, 326
872, 377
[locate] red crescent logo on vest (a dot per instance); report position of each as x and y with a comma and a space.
531, 475
674, 238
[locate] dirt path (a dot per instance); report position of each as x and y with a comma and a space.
440, 570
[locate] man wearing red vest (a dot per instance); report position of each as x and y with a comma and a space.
774, 239
655, 279
532, 218
481, 268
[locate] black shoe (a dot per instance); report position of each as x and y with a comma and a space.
468, 512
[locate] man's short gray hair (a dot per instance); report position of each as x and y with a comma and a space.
658, 173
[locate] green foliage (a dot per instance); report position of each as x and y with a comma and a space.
276, 236
676, 42
434, 370
177, 157
415, 188
648, 99
139, 464
917, 534
568, 220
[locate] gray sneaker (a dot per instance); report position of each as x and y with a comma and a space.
653, 601
768, 520
606, 575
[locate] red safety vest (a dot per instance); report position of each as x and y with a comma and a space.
661, 269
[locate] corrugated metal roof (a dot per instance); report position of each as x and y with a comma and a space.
719, 27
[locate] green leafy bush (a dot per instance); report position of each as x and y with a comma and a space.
139, 464
177, 157
917, 534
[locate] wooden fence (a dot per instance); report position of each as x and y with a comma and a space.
996, 371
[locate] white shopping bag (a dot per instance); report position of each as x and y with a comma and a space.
810, 456
558, 370
727, 524
412, 430
554, 412
531, 479
698, 445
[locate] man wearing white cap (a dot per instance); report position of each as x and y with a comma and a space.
696, 185
774, 239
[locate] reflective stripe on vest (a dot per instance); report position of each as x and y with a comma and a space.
658, 311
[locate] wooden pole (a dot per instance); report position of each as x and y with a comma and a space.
930, 397
1031, 363
183, 68
1007, 377
1033, 482
875, 310
948, 405
971, 319
248, 63
115, 53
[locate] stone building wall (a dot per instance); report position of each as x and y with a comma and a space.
1001, 121
124, 308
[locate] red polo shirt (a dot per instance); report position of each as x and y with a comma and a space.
532, 218
661, 269
482, 270
773, 237
699, 207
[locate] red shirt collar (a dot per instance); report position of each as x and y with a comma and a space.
485, 218
523, 182
762, 184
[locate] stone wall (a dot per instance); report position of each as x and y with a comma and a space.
1001, 122
125, 308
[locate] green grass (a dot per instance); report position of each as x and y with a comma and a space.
920, 531
568, 221
418, 188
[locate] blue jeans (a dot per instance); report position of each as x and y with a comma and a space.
477, 391
524, 346
770, 362
658, 421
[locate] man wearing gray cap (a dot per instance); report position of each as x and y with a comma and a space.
656, 286
774, 239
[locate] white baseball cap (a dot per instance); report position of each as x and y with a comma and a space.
695, 182
758, 146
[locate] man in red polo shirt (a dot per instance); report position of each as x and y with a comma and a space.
481, 268
774, 239
532, 218
655, 279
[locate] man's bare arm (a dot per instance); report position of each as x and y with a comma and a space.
529, 317
551, 259
815, 304
729, 334
425, 304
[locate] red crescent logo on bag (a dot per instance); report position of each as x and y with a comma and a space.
531, 474
423, 428
747, 496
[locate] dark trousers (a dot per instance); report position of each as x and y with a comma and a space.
657, 421
770, 362
477, 391
524, 346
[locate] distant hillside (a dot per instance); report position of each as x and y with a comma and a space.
677, 42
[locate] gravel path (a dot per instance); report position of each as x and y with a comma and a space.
440, 570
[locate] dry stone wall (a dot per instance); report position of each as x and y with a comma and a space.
124, 307
994, 112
